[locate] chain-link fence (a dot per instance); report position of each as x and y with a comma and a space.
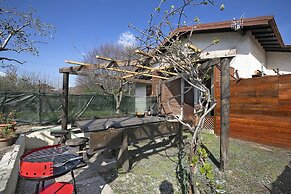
47, 108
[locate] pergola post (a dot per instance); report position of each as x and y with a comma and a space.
224, 114
65, 99
122, 155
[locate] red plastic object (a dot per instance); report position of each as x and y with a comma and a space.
58, 188
36, 169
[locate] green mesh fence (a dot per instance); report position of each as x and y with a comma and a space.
46, 108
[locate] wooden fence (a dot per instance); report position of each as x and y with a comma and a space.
260, 110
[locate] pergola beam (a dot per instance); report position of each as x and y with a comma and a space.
104, 58
152, 69
73, 70
120, 78
81, 66
136, 73
157, 69
143, 53
78, 63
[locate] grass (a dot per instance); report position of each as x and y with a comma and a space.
150, 174
254, 168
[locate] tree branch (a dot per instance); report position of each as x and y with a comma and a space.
11, 34
9, 59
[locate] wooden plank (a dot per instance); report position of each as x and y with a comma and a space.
136, 73
152, 131
285, 88
264, 131
261, 136
253, 100
86, 66
284, 122
262, 113
260, 110
109, 139
157, 69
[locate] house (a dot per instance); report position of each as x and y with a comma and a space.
261, 102
257, 45
255, 48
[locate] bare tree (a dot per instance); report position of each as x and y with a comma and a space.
20, 32
105, 81
177, 52
12, 81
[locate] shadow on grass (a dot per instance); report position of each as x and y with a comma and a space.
147, 150
166, 187
211, 156
283, 182
182, 171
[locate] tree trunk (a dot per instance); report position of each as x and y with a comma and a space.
118, 98
117, 105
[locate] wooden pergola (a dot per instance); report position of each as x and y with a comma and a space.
145, 63
141, 69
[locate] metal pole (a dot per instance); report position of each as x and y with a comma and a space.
224, 114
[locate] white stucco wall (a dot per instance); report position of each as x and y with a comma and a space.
250, 55
140, 97
281, 60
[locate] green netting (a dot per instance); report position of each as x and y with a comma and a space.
46, 108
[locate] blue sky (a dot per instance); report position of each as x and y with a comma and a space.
82, 25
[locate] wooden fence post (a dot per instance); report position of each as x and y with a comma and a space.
65, 99
224, 114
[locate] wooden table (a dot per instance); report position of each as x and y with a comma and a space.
118, 133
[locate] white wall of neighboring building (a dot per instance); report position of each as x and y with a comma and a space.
140, 97
281, 60
250, 56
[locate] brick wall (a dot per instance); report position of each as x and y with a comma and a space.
173, 88
168, 90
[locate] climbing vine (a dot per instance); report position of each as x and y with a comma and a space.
172, 48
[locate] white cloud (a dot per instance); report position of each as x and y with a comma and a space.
2, 74
127, 39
